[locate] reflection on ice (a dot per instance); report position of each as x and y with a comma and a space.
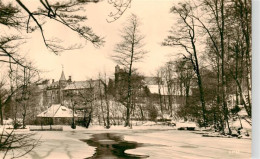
112, 145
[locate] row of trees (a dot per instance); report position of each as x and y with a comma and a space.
214, 38
104, 101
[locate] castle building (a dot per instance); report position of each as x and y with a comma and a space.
53, 93
58, 99
56, 92
65, 93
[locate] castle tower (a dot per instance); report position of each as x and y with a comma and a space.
62, 83
62, 80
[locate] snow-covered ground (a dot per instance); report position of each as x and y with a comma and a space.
160, 142
185, 144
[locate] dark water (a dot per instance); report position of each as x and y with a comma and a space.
112, 146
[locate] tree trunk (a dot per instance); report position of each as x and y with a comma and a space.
141, 111
108, 120
218, 93
24, 96
1, 112
89, 120
223, 76
201, 90
24, 115
89, 116
129, 92
201, 95
245, 25
107, 103
160, 98
101, 102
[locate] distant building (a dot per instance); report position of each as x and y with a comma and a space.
57, 98
57, 92
57, 114
155, 85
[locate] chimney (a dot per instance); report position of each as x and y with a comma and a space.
69, 79
52, 80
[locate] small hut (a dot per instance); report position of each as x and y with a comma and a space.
56, 114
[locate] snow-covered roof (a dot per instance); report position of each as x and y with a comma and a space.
154, 89
151, 80
57, 111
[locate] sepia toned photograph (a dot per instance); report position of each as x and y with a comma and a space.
126, 79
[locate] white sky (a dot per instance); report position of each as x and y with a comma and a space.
89, 61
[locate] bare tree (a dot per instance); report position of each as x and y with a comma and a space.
64, 12
128, 52
120, 7
101, 94
83, 93
185, 37
16, 145
107, 96
238, 24
228, 27
169, 79
185, 73
29, 96
5, 97
160, 84
17, 16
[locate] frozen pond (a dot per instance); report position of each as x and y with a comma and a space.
113, 145
148, 142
